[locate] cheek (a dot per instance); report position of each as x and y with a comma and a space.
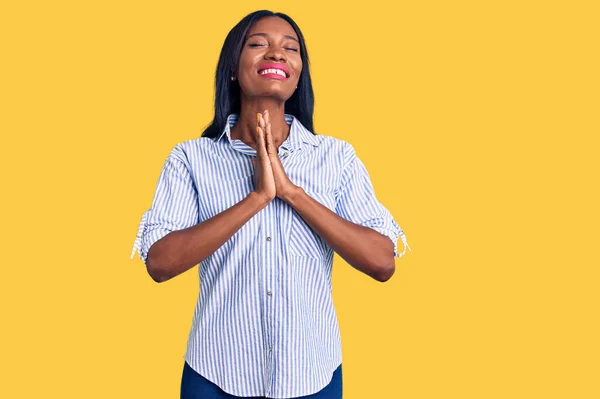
298, 68
245, 60
242, 65
246, 65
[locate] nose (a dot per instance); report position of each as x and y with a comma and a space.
275, 54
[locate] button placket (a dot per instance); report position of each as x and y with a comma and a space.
269, 270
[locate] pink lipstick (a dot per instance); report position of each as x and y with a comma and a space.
274, 71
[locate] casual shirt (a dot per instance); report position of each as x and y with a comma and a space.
264, 322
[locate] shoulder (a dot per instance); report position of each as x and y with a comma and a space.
343, 149
190, 151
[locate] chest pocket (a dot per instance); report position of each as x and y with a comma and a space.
304, 241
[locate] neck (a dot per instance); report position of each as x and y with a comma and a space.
245, 128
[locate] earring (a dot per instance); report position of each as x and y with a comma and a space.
232, 78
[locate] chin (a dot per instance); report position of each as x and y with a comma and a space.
277, 95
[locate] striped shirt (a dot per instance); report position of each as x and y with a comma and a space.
264, 322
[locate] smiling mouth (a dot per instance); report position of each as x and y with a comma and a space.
273, 73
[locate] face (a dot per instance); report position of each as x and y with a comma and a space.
270, 62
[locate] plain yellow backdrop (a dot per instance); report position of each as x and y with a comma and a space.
478, 123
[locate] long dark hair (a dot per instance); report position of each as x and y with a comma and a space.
227, 92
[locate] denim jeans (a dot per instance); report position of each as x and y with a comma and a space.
195, 386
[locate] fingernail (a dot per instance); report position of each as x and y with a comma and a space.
257, 117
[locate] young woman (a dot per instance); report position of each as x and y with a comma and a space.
262, 203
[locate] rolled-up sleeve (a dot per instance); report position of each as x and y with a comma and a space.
174, 206
356, 201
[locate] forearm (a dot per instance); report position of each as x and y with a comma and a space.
181, 250
362, 247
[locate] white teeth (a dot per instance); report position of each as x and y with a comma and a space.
275, 71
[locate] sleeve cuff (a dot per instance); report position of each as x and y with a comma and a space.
137, 245
392, 235
145, 238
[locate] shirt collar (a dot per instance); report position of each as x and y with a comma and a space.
298, 133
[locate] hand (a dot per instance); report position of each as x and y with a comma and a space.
264, 181
283, 185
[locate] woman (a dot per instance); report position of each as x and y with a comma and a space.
262, 203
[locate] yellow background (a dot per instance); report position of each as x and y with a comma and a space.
478, 122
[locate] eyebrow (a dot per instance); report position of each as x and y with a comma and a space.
266, 35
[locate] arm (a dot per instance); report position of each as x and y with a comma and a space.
181, 250
362, 247
170, 240
361, 230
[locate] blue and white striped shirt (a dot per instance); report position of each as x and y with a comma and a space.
264, 322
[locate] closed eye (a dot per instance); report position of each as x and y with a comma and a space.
262, 44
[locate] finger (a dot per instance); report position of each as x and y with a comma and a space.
267, 119
262, 148
268, 136
259, 125
261, 137
261, 121
262, 141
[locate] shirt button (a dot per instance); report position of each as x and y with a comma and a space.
269, 293
285, 154
268, 238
